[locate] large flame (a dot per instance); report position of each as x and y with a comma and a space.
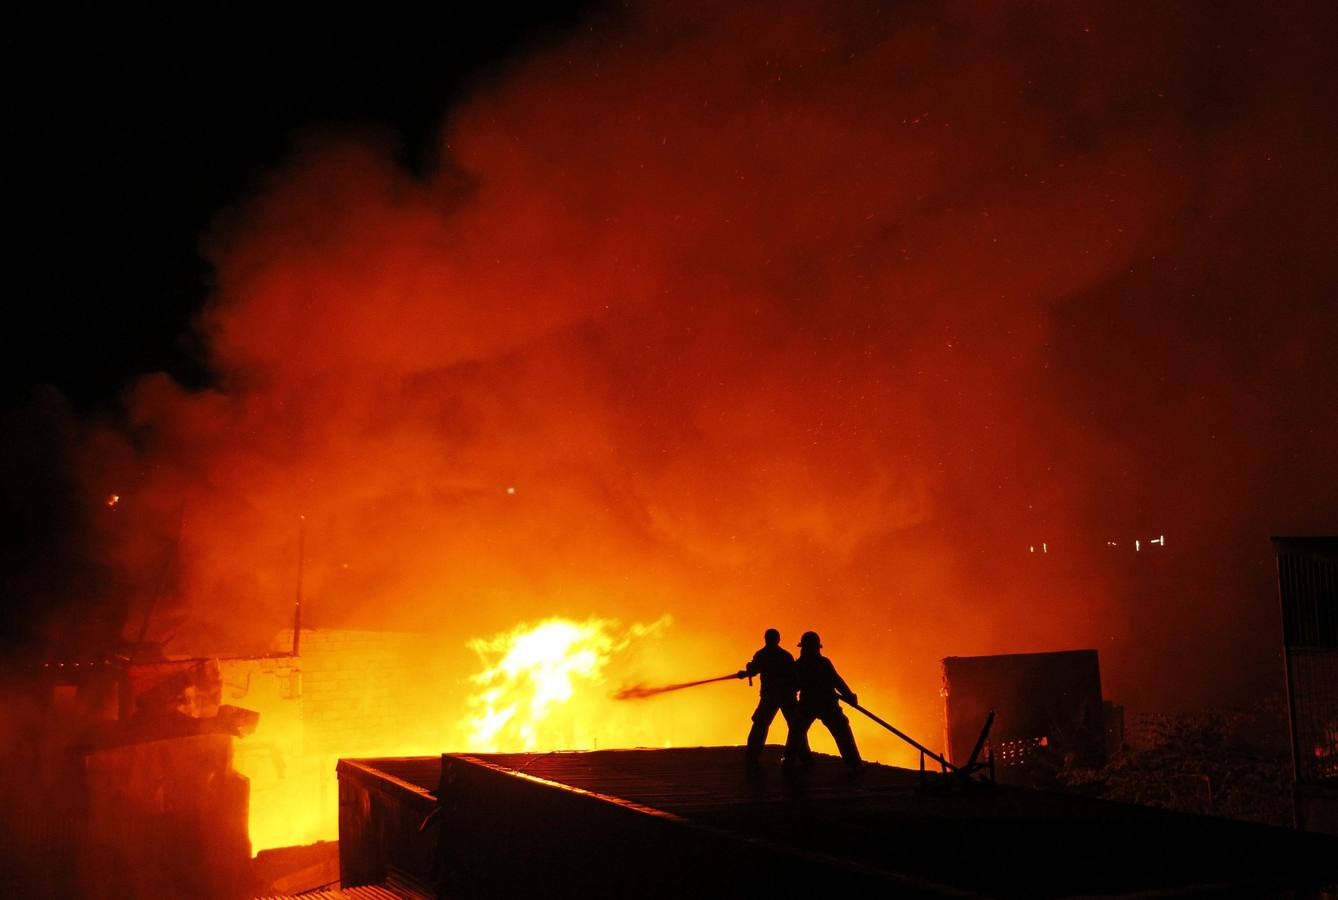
540, 684
531, 675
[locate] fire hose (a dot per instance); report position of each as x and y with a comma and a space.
947, 766
638, 692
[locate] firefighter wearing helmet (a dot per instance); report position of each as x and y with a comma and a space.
775, 666
820, 688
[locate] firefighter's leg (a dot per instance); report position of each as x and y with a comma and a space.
757, 735
796, 741
796, 744
839, 726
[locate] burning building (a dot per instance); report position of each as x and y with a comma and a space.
121, 781
876, 320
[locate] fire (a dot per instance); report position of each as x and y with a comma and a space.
532, 674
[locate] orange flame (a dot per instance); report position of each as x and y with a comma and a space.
533, 673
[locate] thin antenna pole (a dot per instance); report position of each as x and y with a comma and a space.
297, 604
173, 553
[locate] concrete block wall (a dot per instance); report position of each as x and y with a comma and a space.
361, 689
348, 693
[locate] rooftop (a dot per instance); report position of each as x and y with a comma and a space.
882, 827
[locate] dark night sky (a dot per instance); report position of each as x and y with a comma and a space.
131, 128
138, 123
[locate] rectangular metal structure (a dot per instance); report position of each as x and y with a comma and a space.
1308, 596
382, 806
692, 823
1048, 709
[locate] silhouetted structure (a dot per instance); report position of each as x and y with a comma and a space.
1308, 590
164, 818
1048, 711
686, 822
774, 665
819, 689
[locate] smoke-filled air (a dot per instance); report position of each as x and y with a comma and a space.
900, 323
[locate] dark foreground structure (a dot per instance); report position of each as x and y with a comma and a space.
1048, 709
1308, 589
690, 822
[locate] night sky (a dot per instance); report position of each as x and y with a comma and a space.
138, 125
135, 127
827, 314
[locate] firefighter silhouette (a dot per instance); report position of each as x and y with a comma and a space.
819, 689
775, 665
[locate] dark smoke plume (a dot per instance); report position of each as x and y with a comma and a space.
786, 314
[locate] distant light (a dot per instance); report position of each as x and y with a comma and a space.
1160, 541
113, 499
1045, 548
1138, 545
511, 491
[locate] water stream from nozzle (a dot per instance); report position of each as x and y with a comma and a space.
641, 692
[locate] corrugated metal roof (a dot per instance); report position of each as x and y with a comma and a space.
992, 840
701, 782
420, 772
367, 892
397, 886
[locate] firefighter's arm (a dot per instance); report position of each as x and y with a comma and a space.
843, 689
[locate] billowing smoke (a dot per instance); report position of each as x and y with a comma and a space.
879, 320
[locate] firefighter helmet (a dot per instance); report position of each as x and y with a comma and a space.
810, 639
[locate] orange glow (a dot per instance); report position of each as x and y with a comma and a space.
557, 683
544, 684
547, 684
656, 335
532, 674
535, 672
